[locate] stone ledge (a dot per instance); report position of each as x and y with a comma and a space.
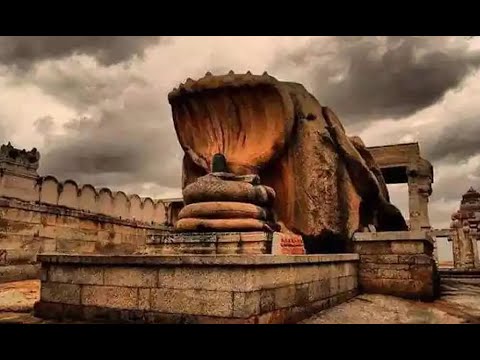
205, 260
57, 311
172, 237
453, 272
19, 272
393, 236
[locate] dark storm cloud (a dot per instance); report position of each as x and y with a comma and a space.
80, 87
132, 143
123, 134
122, 137
368, 78
458, 141
24, 51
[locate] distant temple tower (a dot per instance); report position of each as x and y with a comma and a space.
18, 173
466, 231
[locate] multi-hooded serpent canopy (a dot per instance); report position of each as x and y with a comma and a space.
247, 118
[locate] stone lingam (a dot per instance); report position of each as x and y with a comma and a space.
225, 213
223, 201
264, 156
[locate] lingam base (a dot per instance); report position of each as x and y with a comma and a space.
225, 243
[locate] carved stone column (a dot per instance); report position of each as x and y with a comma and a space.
462, 241
420, 178
476, 256
454, 239
465, 226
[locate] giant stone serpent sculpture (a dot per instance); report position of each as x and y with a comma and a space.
263, 154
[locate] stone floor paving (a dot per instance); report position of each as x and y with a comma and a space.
19, 296
381, 309
460, 303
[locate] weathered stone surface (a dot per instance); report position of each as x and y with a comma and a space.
131, 277
41, 214
246, 304
390, 236
109, 296
240, 260
76, 275
465, 232
60, 293
196, 224
221, 243
70, 245
285, 296
144, 296
270, 277
198, 289
287, 244
405, 247
19, 272
398, 264
302, 294
19, 296
193, 302
382, 309
319, 289
267, 300
459, 304
206, 278
222, 210
234, 237
373, 248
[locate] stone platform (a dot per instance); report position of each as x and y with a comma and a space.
210, 243
398, 263
195, 288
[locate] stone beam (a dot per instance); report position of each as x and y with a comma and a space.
402, 163
396, 155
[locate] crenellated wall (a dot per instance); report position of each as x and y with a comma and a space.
42, 214
86, 198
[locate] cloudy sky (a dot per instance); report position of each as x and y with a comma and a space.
97, 109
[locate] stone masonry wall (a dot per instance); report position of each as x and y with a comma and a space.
27, 229
41, 214
48, 190
194, 289
397, 263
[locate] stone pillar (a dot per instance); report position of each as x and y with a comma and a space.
466, 231
462, 241
18, 173
420, 177
476, 256
435, 251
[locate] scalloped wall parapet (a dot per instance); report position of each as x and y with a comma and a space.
87, 198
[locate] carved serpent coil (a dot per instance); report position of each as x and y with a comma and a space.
212, 188
223, 210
